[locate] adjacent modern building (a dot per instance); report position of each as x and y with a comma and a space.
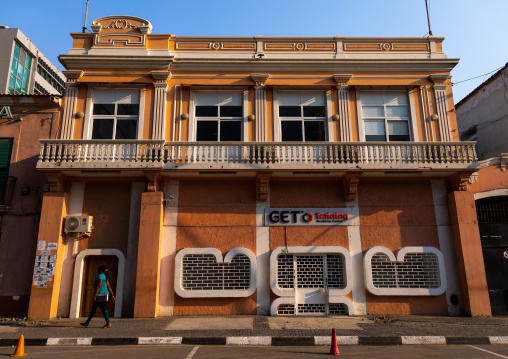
23, 67
258, 175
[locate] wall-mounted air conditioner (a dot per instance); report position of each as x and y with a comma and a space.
81, 224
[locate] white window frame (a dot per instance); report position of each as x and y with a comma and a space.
277, 133
88, 125
191, 135
412, 125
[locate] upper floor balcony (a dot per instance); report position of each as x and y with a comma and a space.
245, 156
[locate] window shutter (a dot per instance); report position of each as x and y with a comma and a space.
5, 156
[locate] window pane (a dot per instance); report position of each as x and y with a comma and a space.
397, 111
126, 129
207, 111
20, 71
314, 131
207, 130
398, 131
231, 130
231, 111
18, 86
291, 130
102, 129
14, 67
290, 111
28, 61
17, 50
12, 81
373, 111
103, 109
314, 111
25, 76
128, 109
375, 131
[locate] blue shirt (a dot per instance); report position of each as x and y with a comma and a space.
104, 288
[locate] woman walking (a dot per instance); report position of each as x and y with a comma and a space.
101, 292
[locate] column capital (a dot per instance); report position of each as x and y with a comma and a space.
73, 76
342, 80
56, 182
260, 80
439, 79
461, 181
263, 180
161, 77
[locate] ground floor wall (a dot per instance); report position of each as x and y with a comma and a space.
218, 253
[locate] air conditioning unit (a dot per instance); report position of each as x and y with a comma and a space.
81, 224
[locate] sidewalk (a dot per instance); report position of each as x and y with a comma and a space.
258, 330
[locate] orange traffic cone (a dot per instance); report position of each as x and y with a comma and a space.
20, 348
334, 350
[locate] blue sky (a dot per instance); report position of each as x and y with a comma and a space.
475, 31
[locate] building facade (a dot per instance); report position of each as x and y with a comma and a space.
269, 176
23, 67
24, 119
482, 116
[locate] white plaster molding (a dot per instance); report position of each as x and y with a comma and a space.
311, 250
263, 255
401, 253
329, 114
491, 193
121, 22
292, 301
344, 113
78, 279
218, 255
502, 160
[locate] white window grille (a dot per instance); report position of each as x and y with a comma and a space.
413, 271
286, 309
203, 272
338, 309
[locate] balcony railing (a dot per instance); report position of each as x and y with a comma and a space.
131, 154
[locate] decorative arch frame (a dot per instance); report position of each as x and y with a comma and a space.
78, 279
492, 193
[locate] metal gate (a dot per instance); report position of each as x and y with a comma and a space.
492, 215
312, 276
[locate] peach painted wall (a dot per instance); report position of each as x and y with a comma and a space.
490, 178
396, 214
109, 204
218, 214
306, 193
19, 227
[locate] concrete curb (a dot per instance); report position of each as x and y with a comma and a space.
261, 341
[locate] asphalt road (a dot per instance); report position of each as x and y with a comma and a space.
215, 352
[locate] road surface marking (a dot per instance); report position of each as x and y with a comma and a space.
191, 354
486, 351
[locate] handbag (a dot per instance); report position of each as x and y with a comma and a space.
101, 298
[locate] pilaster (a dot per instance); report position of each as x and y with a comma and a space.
71, 96
159, 104
260, 101
441, 105
343, 104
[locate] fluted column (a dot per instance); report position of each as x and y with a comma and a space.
159, 105
70, 99
343, 105
441, 105
260, 105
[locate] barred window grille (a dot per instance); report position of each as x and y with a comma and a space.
418, 270
338, 309
286, 309
309, 271
311, 309
202, 272
336, 273
492, 210
285, 271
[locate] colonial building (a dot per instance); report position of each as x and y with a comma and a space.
255, 175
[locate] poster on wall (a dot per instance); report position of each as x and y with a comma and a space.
44, 269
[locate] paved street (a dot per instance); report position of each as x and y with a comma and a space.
213, 352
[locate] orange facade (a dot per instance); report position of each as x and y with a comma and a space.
302, 176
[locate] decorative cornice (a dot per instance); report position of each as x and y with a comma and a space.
120, 22
502, 160
351, 185
342, 79
264, 185
259, 79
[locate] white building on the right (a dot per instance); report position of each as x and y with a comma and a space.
482, 115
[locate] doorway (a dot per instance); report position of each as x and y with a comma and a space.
492, 215
91, 266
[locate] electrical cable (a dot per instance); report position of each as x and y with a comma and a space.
472, 78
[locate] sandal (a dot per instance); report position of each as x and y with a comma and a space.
84, 325
108, 325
